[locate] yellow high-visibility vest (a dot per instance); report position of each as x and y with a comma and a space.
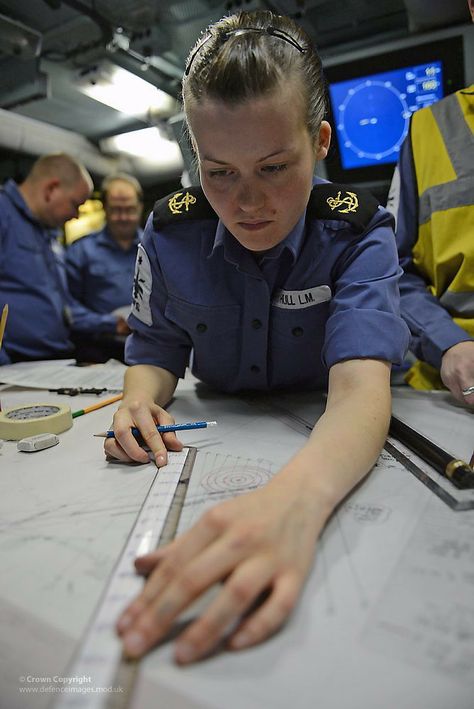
442, 139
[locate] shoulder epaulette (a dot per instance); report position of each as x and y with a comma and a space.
183, 205
351, 204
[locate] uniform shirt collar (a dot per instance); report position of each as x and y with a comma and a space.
292, 243
234, 252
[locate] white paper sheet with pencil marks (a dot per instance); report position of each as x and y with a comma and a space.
425, 616
217, 477
63, 374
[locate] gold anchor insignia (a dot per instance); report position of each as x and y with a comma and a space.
351, 202
179, 201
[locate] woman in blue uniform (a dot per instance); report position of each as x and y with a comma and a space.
272, 282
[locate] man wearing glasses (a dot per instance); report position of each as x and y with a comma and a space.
100, 268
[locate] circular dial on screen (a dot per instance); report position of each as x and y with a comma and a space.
369, 130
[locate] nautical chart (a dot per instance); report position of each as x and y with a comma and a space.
65, 524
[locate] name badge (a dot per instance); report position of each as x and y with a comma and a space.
297, 299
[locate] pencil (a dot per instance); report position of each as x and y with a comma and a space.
3, 322
166, 428
99, 405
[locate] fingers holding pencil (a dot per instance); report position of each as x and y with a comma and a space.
165, 428
144, 418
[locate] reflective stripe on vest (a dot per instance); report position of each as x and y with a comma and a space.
443, 149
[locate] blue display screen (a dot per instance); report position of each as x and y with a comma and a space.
372, 113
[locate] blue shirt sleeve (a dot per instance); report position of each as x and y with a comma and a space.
32, 282
154, 339
74, 265
87, 321
364, 319
83, 319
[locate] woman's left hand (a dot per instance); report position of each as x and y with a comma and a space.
262, 541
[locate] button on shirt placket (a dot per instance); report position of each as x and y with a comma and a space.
256, 369
255, 322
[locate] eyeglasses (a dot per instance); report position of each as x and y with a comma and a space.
122, 211
272, 31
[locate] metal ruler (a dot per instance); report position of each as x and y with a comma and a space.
440, 485
99, 677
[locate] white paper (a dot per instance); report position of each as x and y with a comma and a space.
62, 374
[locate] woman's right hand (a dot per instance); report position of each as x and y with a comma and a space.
144, 415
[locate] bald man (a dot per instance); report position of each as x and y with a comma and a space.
32, 274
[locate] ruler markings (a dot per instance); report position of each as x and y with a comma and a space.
100, 653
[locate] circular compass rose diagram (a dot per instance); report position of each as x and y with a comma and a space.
236, 478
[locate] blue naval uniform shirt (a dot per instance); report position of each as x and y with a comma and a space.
327, 293
100, 275
32, 282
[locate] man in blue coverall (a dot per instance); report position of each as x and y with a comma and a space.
32, 274
100, 268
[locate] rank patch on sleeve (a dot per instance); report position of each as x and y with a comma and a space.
182, 206
333, 201
142, 284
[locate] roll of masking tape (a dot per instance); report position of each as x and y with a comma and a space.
22, 421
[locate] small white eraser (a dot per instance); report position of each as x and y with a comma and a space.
37, 443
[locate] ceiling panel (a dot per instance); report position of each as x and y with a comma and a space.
152, 39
